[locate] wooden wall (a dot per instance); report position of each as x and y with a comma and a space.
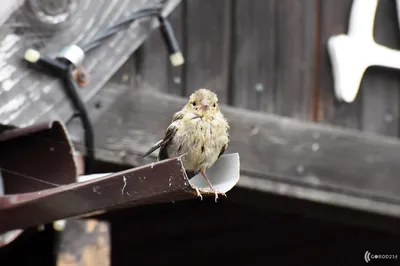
271, 56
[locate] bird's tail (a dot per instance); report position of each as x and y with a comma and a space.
155, 147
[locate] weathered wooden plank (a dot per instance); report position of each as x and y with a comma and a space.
320, 159
126, 74
98, 105
152, 71
208, 46
334, 19
28, 95
273, 70
295, 33
253, 81
381, 86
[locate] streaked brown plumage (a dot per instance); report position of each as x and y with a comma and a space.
198, 132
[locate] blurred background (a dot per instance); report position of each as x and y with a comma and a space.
271, 56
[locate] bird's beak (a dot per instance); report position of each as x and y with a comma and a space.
205, 104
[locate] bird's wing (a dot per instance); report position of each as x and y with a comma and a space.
153, 148
222, 150
224, 147
169, 134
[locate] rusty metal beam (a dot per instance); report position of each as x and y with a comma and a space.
61, 198
163, 181
36, 157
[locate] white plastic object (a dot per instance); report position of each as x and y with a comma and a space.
223, 175
32, 55
177, 59
352, 53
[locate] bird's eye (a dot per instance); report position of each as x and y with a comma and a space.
194, 103
214, 105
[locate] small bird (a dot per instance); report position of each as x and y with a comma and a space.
198, 133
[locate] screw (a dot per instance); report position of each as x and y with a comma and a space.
80, 76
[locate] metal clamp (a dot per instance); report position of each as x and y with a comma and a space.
73, 53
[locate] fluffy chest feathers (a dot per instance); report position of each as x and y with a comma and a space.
198, 134
199, 139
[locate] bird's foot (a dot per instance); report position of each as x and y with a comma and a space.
216, 195
211, 186
198, 193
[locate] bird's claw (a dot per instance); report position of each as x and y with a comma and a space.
198, 193
216, 195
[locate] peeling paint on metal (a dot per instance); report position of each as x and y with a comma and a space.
123, 188
96, 190
169, 180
